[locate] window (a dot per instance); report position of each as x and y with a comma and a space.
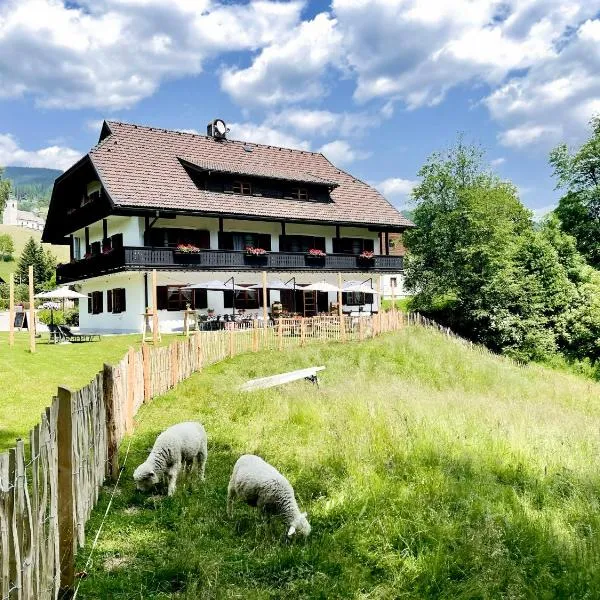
95, 248
356, 298
393, 282
244, 300
242, 187
300, 193
115, 301
229, 240
352, 245
300, 243
172, 237
77, 248
95, 303
174, 297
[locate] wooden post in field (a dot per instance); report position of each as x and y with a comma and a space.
361, 328
11, 310
31, 312
174, 365
264, 291
302, 332
130, 390
11, 573
200, 351
231, 341
393, 284
340, 312
147, 365
112, 467
254, 335
66, 529
154, 309
280, 333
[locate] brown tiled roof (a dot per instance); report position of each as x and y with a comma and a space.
140, 167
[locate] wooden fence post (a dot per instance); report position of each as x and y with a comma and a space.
254, 335
146, 367
112, 444
14, 568
130, 390
231, 341
264, 290
66, 529
200, 351
361, 329
280, 333
154, 310
302, 332
174, 364
340, 311
11, 310
31, 312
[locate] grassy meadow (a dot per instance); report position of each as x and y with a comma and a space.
427, 470
20, 237
28, 381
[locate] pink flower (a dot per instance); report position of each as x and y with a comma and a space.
316, 252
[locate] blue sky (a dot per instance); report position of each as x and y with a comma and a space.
377, 85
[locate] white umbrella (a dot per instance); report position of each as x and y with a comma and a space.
274, 284
217, 285
320, 286
365, 288
61, 293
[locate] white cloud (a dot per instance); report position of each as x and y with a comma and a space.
265, 134
339, 152
317, 123
529, 133
52, 157
542, 211
291, 69
112, 53
396, 188
496, 162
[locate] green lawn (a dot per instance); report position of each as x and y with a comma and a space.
28, 381
427, 470
20, 237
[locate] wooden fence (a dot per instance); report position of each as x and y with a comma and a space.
48, 490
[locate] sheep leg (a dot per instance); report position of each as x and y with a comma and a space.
202, 464
230, 499
172, 478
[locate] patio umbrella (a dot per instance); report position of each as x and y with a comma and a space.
360, 286
320, 286
274, 284
219, 286
62, 293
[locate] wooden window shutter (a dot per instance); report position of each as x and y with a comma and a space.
162, 297
264, 241
89, 304
225, 240
227, 299
200, 299
337, 246
122, 298
109, 301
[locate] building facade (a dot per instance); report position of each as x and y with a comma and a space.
200, 208
20, 218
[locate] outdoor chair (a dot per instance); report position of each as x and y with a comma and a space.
56, 335
77, 338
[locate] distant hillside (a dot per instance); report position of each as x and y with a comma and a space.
32, 187
20, 237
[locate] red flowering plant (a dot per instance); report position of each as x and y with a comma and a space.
366, 255
107, 249
316, 253
187, 248
253, 251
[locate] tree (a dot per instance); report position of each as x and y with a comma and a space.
33, 254
4, 190
7, 247
475, 261
579, 209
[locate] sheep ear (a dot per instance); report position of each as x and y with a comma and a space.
291, 531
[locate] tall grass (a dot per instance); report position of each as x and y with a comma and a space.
428, 471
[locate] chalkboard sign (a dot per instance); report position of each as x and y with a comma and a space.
21, 320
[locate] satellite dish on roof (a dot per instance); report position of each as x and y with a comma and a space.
217, 129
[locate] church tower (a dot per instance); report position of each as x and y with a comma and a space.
10, 215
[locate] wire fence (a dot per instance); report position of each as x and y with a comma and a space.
47, 496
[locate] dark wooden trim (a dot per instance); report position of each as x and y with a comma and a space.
337, 231
221, 225
104, 229
387, 243
71, 247
87, 240
145, 291
283, 228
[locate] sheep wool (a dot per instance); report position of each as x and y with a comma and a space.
180, 444
258, 483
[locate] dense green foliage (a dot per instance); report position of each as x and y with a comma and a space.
428, 470
44, 265
579, 209
7, 247
4, 190
477, 264
32, 187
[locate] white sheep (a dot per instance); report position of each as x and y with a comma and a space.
177, 445
258, 483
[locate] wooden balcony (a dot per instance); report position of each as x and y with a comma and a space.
132, 258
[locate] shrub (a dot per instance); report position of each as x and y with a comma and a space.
45, 316
72, 317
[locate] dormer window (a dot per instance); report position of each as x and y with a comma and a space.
299, 193
242, 187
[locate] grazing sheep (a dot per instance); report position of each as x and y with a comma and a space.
258, 483
179, 444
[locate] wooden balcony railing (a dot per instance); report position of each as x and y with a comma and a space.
132, 258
